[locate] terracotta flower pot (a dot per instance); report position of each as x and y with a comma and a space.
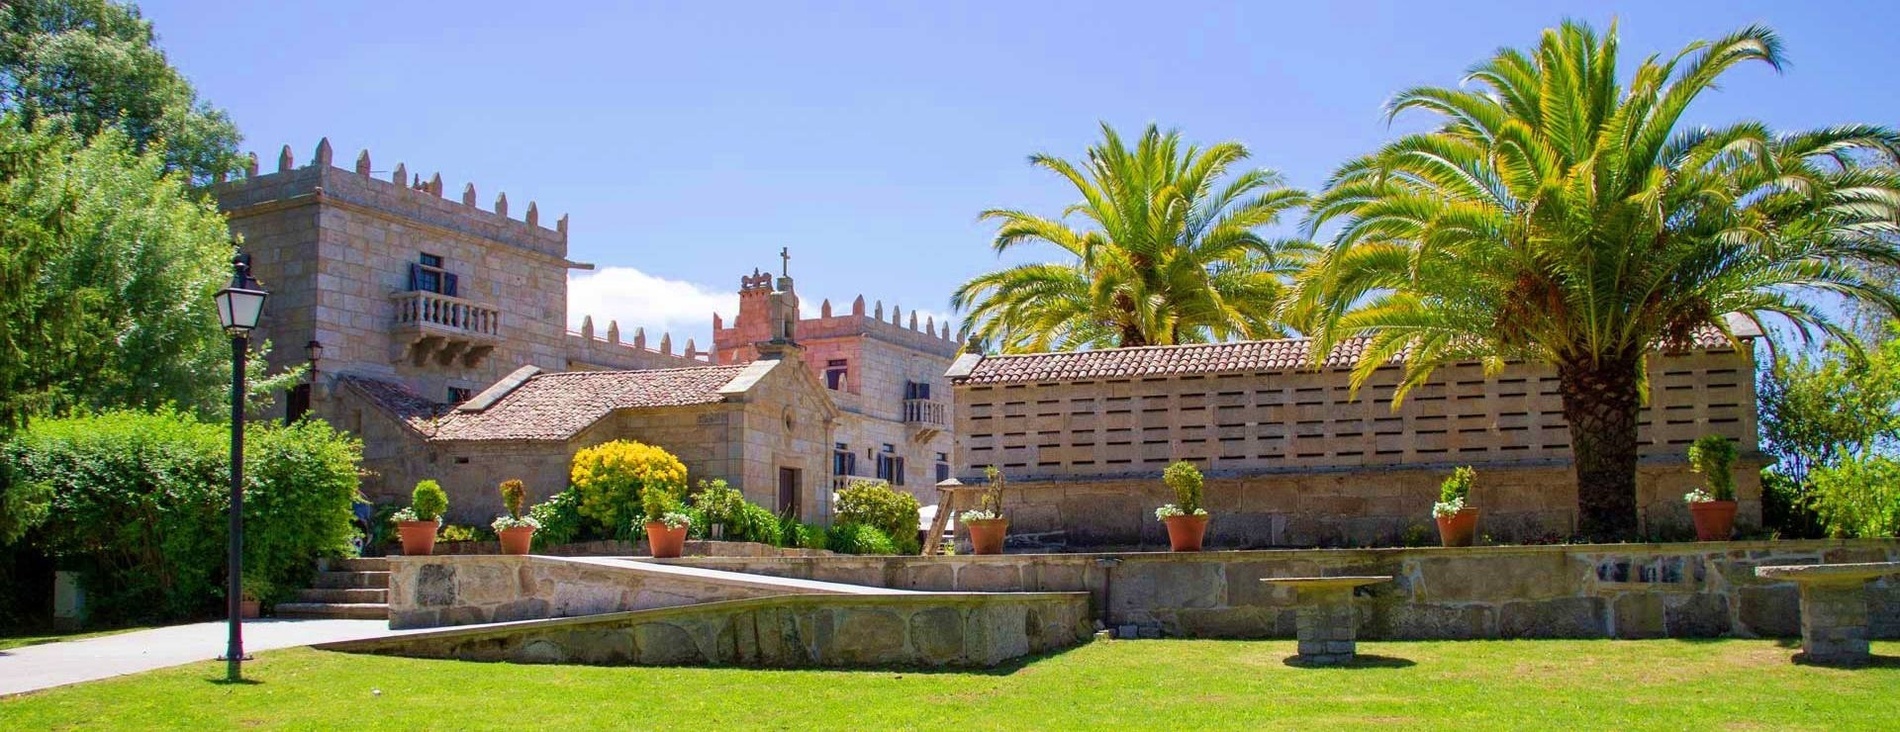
986, 535
516, 540
1714, 520
663, 542
1458, 529
248, 608
418, 537
1185, 532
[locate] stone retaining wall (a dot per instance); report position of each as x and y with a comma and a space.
788, 631
612, 548
1577, 591
428, 592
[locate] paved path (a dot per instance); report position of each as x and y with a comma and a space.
69, 662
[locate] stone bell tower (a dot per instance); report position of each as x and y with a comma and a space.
768, 316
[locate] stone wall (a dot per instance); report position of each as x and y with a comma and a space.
787, 631
429, 592
1343, 508
1577, 591
1308, 461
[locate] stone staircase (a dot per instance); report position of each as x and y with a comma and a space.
356, 589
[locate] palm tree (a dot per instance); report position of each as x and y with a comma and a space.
1171, 254
1556, 216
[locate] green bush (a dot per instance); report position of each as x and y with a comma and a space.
875, 503
1186, 481
1457, 487
1713, 456
796, 535
428, 500
560, 519
849, 538
139, 503
623, 483
1858, 497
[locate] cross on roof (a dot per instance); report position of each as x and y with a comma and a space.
785, 253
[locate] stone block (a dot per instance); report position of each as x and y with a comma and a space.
1511, 577
1639, 615
527, 608
1230, 622
1701, 615
1563, 617
1770, 611
664, 644
990, 576
866, 636
1416, 621
936, 635
435, 585
927, 575
1170, 583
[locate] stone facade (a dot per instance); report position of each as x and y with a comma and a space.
885, 376
1295, 457
1687, 590
337, 249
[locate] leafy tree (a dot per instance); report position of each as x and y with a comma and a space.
106, 280
1821, 411
1559, 216
87, 66
1171, 253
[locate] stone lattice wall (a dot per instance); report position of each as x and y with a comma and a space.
1580, 591
1308, 463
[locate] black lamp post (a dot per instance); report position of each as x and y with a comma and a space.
239, 307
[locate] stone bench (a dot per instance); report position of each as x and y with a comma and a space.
1833, 608
1324, 618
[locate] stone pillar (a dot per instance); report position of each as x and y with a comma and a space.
1325, 623
1834, 623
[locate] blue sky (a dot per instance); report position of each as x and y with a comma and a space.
689, 141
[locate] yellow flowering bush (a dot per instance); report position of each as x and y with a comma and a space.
613, 478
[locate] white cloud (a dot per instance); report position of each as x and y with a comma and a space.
640, 300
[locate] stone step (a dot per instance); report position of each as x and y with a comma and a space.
359, 564
354, 595
349, 610
352, 580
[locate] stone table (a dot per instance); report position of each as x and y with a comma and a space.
1324, 618
1833, 608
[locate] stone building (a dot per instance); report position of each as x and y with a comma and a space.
444, 345
1294, 458
885, 376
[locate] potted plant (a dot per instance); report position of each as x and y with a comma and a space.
1713, 510
255, 588
418, 523
665, 525
1457, 524
987, 525
516, 530
1185, 518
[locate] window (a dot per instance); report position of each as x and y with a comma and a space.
890, 467
943, 467
843, 460
836, 373
916, 390
428, 275
296, 403
457, 394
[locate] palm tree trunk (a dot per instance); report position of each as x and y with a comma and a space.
1600, 402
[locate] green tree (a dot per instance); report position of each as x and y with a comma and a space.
106, 281
1559, 216
86, 66
1171, 253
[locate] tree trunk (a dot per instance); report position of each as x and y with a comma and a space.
1600, 403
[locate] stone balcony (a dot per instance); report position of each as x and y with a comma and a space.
446, 329
926, 416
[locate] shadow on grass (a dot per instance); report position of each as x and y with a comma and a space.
1359, 661
222, 681
1004, 668
1871, 662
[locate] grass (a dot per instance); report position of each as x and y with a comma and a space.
21, 641
1667, 684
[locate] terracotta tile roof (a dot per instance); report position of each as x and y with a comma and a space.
411, 408
1285, 354
557, 406
551, 406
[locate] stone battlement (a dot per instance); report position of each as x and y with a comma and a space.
402, 196
610, 351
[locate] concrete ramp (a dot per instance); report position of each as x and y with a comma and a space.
817, 629
436, 591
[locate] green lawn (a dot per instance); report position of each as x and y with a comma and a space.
1178, 684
